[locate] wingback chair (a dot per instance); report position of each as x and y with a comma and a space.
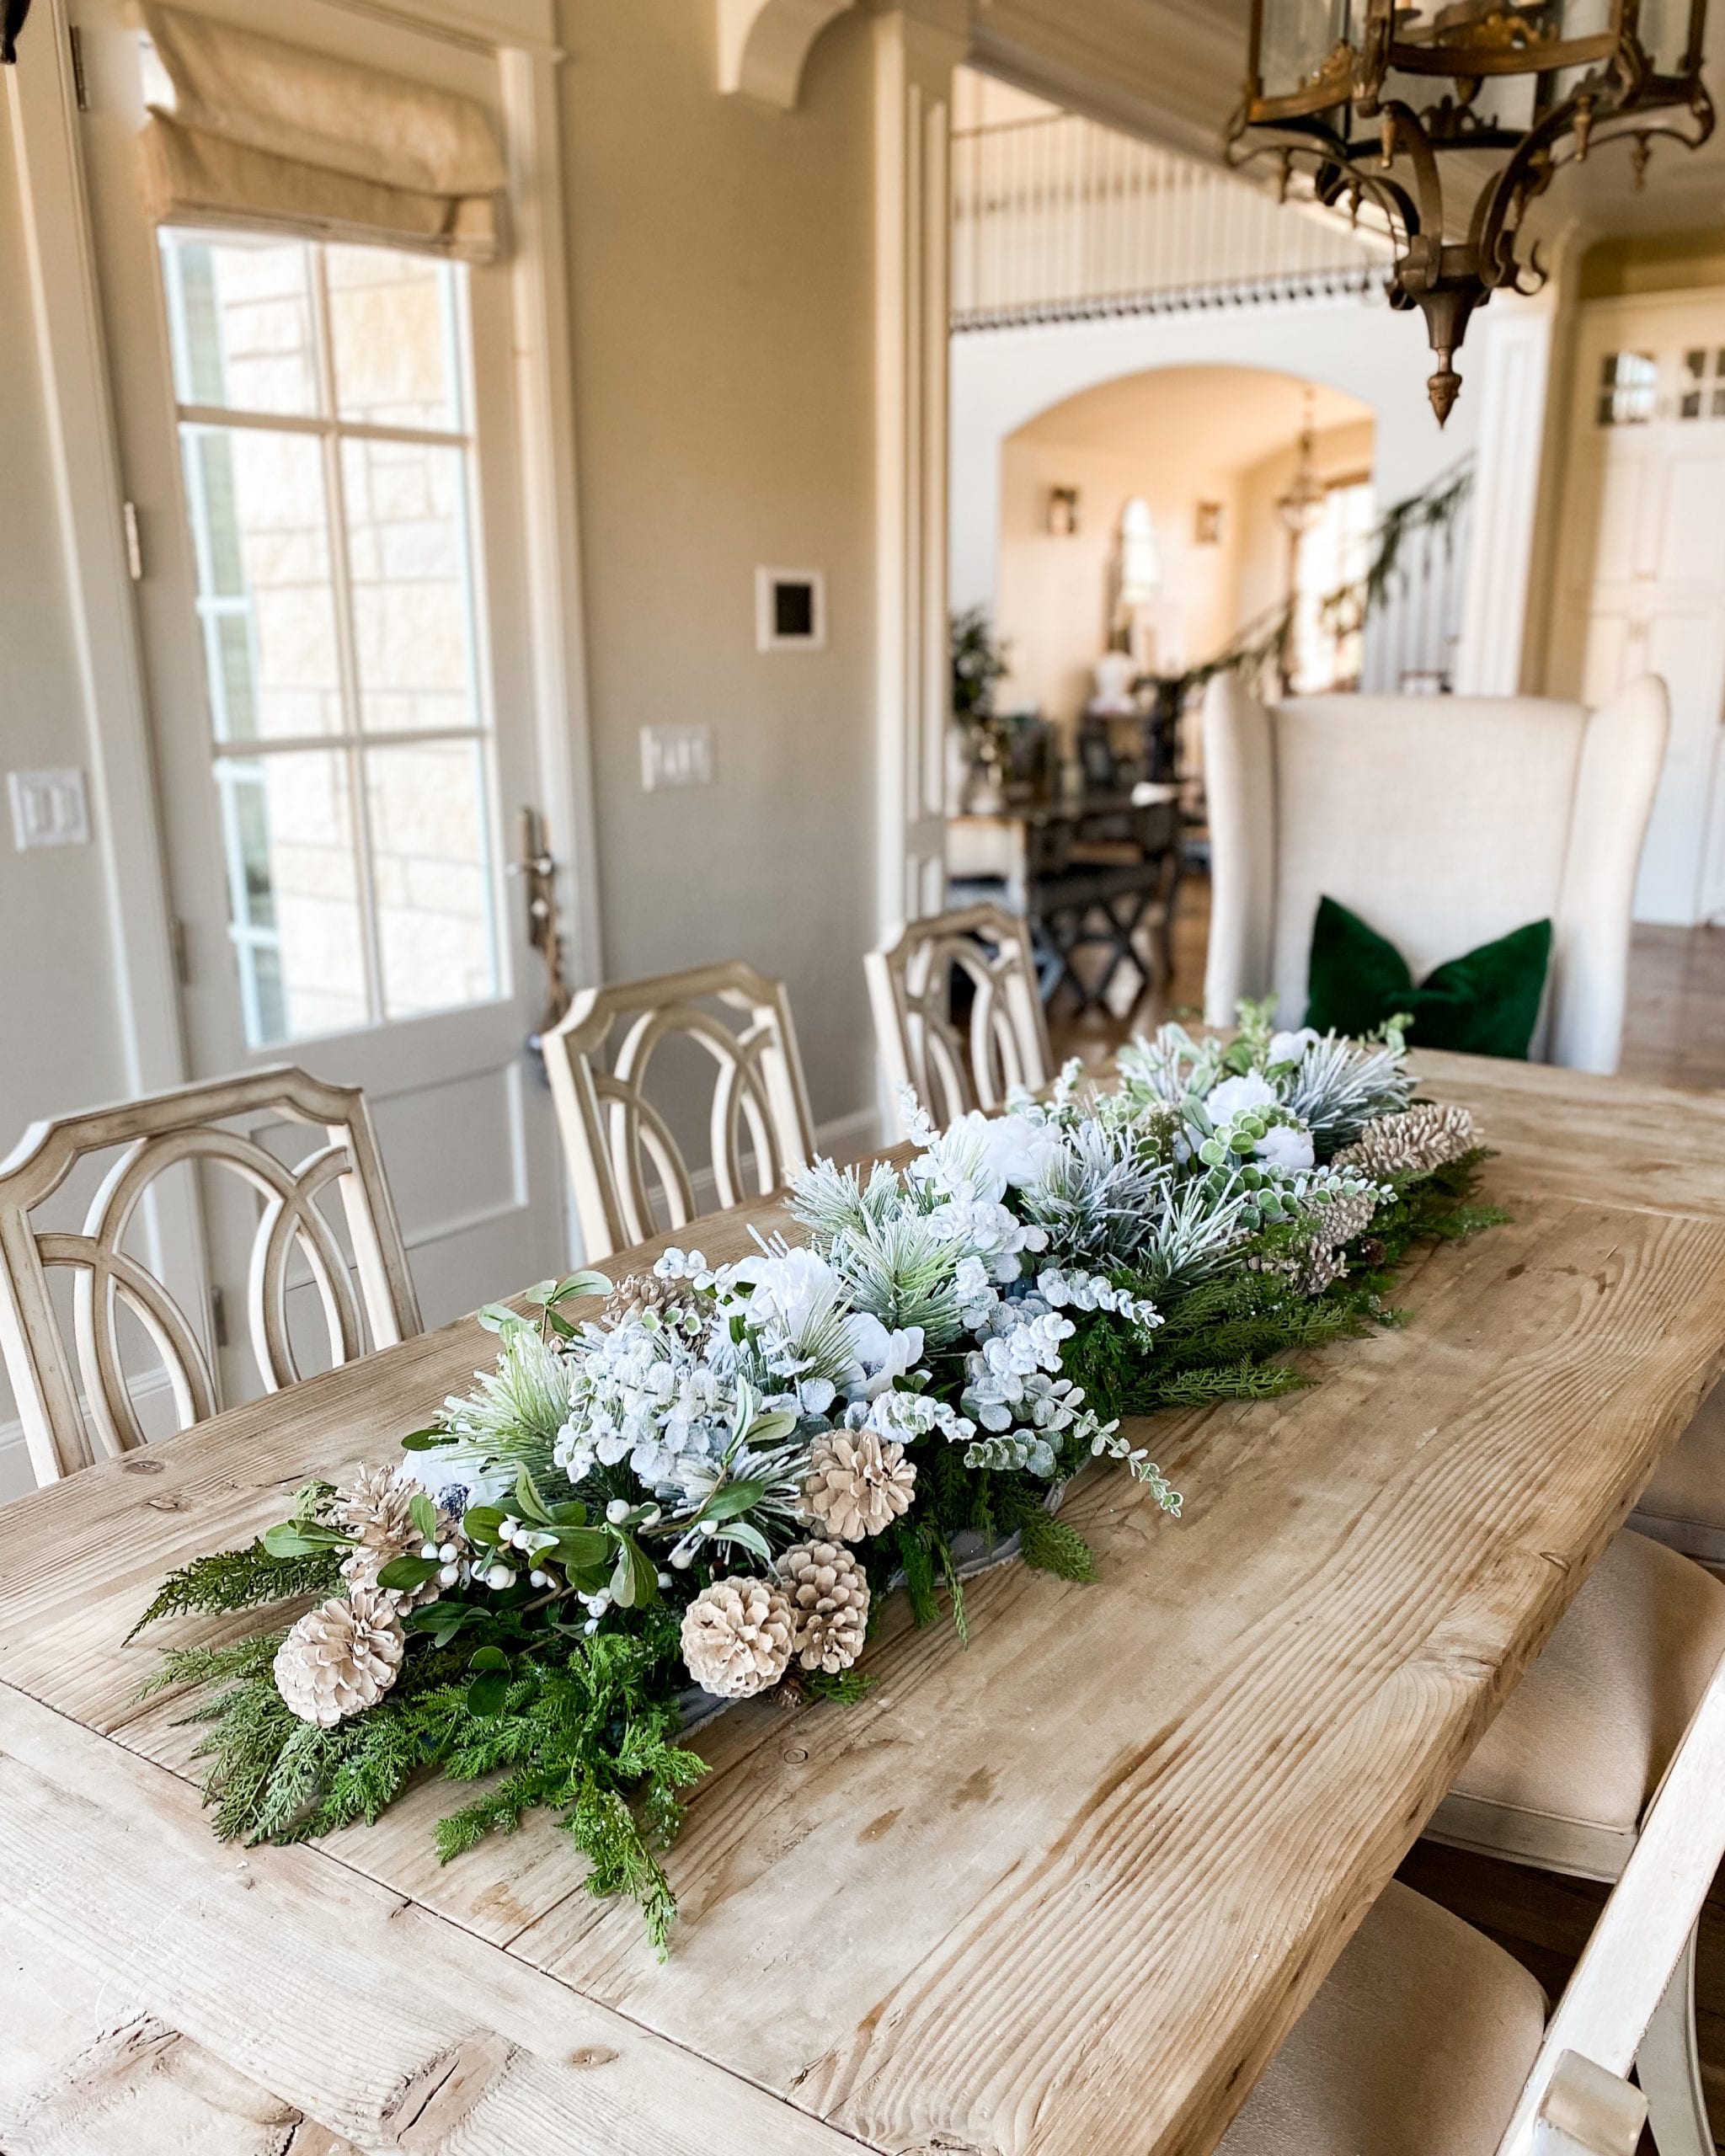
1443, 823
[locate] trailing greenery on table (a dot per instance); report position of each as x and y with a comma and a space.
702, 1488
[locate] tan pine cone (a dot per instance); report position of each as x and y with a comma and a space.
829, 1597
637, 1293
341, 1658
1412, 1142
737, 1636
858, 1483
375, 1505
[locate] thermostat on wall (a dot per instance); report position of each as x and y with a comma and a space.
790, 610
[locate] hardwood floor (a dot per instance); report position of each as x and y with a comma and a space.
1675, 1035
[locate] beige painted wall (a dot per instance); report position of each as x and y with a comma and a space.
722, 260
1339, 453
1054, 592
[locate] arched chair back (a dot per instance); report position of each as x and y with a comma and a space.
631, 1177
954, 1064
213, 1128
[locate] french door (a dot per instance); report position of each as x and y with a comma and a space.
1642, 562
320, 444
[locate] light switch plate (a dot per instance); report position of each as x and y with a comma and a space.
48, 809
676, 755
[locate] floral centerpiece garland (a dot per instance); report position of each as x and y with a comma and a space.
711, 1481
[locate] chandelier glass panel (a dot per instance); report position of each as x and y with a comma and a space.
1370, 102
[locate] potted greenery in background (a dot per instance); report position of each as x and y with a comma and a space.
978, 663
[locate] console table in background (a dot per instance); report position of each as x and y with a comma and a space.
1088, 875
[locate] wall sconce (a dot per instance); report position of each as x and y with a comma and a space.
1207, 525
1063, 512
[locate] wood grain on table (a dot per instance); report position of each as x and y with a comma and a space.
1062, 1891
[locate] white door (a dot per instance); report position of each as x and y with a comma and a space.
321, 445
1641, 565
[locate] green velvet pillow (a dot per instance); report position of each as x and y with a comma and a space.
1487, 1003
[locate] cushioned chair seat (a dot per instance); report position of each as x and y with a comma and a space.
1684, 1503
1562, 1775
1417, 2045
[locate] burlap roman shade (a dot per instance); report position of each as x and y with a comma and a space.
277, 137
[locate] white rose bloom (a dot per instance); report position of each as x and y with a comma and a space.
885, 1356
790, 1290
1288, 1047
1285, 1147
1238, 1096
1019, 1149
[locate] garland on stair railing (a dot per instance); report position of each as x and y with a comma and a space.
701, 1489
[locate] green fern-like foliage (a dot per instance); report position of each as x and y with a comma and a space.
242, 1579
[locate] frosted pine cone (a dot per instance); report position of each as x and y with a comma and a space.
1412, 1142
1344, 1218
640, 1293
737, 1637
858, 1483
829, 1597
341, 1658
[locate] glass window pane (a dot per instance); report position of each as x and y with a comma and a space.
432, 876
260, 527
241, 320
293, 893
407, 522
392, 323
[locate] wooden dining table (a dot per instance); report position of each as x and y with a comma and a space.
1062, 1890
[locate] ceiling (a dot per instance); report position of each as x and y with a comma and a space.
1226, 418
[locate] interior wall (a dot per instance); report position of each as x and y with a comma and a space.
1338, 453
1053, 594
721, 257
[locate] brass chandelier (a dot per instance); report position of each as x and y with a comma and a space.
1366, 98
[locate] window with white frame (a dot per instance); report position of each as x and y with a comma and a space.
324, 406
1330, 558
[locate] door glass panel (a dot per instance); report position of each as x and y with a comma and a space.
434, 888
328, 481
240, 318
260, 531
293, 892
407, 522
395, 334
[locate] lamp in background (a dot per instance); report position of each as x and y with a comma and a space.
1365, 97
1303, 503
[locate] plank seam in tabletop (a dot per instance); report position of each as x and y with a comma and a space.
445, 2043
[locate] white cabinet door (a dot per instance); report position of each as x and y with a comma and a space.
322, 445
1640, 584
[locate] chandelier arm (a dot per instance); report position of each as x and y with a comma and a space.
1313, 139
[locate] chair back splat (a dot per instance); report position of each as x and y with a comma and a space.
952, 1059
195, 1125
631, 1178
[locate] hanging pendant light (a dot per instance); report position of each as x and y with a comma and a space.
1365, 97
1303, 503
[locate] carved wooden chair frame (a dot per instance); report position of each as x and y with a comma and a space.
188, 1125
910, 986
612, 1133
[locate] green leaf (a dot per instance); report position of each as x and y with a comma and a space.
634, 1582
578, 1285
580, 1548
489, 1658
290, 1538
480, 1523
425, 1440
767, 1429
746, 1536
423, 1515
529, 1503
735, 1497
489, 1694
498, 1317
407, 1573
572, 1514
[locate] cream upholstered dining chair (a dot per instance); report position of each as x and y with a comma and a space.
1004, 1043
214, 1127
625, 1161
1444, 823
1426, 2039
